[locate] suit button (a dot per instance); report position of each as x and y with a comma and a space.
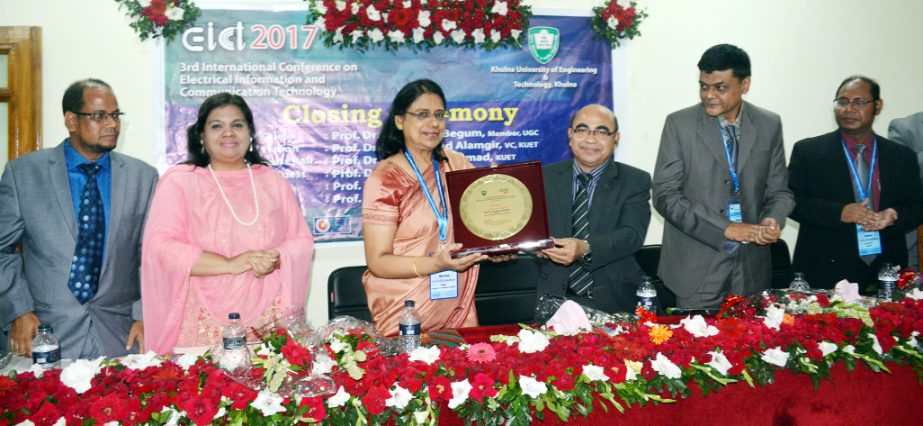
727, 182
722, 211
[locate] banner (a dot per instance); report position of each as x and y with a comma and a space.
318, 110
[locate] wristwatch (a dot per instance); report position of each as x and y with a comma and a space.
586, 254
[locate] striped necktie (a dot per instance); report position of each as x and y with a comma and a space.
580, 280
730, 246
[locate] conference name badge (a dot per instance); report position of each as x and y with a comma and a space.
734, 213
869, 241
443, 285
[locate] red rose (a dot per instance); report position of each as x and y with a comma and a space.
375, 399
315, 408
47, 414
482, 386
296, 354
109, 408
201, 410
440, 389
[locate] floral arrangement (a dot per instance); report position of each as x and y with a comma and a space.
419, 24
510, 380
279, 359
618, 20
160, 18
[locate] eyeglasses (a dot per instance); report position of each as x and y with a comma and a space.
425, 115
856, 102
102, 115
584, 132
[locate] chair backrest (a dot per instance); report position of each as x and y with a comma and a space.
346, 294
506, 291
649, 259
781, 264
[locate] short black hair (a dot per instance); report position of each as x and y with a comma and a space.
73, 96
726, 56
876, 89
391, 140
197, 154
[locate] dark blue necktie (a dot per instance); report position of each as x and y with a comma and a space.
730, 246
580, 280
91, 236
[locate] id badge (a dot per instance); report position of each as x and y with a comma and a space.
869, 241
443, 285
734, 213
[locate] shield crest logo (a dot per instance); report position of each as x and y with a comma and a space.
543, 43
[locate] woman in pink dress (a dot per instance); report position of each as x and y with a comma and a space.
406, 222
224, 234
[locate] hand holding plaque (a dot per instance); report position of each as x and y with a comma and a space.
499, 210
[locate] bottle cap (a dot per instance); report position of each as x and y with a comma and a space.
409, 303
233, 315
799, 275
45, 327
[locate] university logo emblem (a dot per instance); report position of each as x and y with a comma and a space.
543, 43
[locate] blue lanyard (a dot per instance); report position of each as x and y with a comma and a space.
863, 192
734, 177
442, 219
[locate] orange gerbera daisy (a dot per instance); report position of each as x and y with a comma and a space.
660, 333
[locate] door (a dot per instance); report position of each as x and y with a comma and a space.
20, 92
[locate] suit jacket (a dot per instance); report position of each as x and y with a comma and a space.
36, 210
691, 185
619, 215
826, 250
908, 131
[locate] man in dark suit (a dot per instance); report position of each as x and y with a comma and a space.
908, 131
720, 184
598, 214
78, 274
856, 194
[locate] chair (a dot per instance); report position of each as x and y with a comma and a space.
506, 291
346, 294
781, 264
649, 259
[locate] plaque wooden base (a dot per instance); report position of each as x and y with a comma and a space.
524, 220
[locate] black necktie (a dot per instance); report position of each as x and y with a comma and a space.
730, 246
91, 235
580, 280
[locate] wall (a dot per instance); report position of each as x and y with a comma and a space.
800, 52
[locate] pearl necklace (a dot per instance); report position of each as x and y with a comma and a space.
256, 201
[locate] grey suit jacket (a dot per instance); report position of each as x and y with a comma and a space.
619, 215
36, 211
690, 189
908, 131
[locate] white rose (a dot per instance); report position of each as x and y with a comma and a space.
340, 5
399, 398
916, 294
531, 341
418, 35
268, 403
719, 362
354, 8
460, 391
338, 399
595, 373
438, 38
356, 35
396, 36
531, 387
373, 13
376, 35
323, 364
141, 361
423, 18
478, 35
697, 327
495, 36
775, 356
515, 33
826, 348
79, 374
448, 25
612, 23
175, 14
499, 8
632, 369
427, 354
774, 317
144, 3
662, 365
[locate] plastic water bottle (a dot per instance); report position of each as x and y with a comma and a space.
799, 283
236, 356
46, 351
887, 282
410, 335
647, 295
